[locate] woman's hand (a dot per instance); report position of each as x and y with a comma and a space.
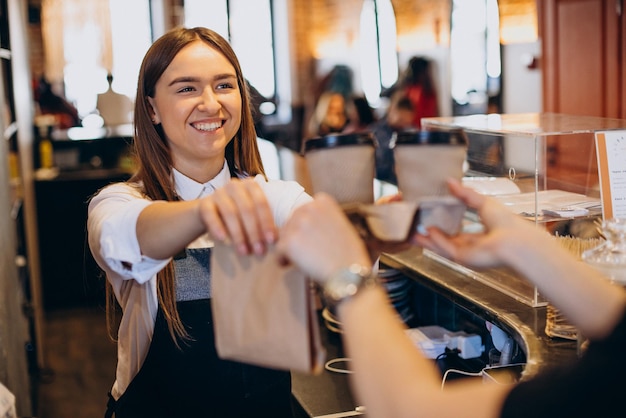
483, 249
239, 214
320, 240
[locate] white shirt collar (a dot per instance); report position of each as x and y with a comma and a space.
189, 189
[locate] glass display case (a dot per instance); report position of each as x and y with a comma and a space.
541, 165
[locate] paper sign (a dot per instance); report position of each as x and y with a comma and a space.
611, 151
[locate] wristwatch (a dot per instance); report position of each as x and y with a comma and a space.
347, 282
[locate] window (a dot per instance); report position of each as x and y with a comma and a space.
248, 25
474, 55
82, 46
379, 61
212, 15
130, 41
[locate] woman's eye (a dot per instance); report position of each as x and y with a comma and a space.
185, 89
223, 86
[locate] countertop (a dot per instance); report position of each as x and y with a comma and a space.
524, 323
328, 394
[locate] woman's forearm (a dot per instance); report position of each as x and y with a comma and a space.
165, 228
380, 352
580, 292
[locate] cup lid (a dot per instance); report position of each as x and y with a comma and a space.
432, 137
338, 140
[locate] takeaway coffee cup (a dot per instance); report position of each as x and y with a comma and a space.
425, 159
343, 166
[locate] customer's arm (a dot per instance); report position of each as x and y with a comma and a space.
583, 294
391, 377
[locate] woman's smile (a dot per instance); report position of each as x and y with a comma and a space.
207, 126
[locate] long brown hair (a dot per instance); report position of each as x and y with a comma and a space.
418, 73
152, 152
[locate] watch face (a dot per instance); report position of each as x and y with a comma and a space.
346, 282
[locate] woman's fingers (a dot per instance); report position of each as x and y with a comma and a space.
240, 214
472, 249
212, 219
252, 223
468, 196
492, 212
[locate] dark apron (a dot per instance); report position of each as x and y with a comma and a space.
191, 381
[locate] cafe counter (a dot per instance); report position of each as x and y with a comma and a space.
446, 297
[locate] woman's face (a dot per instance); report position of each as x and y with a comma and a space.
198, 103
336, 112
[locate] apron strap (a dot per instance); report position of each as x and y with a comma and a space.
110, 407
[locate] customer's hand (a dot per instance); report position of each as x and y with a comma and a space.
239, 213
320, 240
484, 249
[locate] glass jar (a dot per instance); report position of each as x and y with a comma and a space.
610, 256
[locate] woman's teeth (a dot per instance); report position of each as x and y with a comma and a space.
207, 126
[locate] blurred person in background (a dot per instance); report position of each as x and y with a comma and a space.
330, 115
417, 84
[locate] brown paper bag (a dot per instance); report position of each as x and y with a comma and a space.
263, 312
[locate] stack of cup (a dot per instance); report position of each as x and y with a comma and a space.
425, 159
398, 288
343, 166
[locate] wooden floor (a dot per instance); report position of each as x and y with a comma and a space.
79, 365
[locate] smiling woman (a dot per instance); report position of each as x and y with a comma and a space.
198, 110
200, 180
